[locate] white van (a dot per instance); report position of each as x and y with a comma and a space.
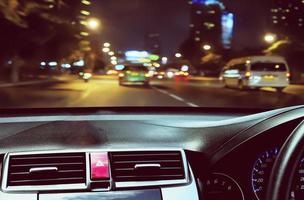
256, 72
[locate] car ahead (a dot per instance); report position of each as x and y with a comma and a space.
134, 74
256, 72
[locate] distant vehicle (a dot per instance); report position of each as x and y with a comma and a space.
256, 72
170, 73
134, 74
181, 75
112, 72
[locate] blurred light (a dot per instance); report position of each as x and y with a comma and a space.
52, 64
112, 72
147, 64
111, 53
154, 57
85, 23
84, 12
114, 62
43, 63
106, 44
86, 2
164, 60
248, 74
288, 75
156, 64
207, 47
248, 61
227, 29
66, 65
81, 73
87, 75
113, 58
137, 54
79, 63
93, 24
10, 62
119, 67
147, 75
106, 50
185, 68
270, 38
121, 75
170, 74
178, 55
84, 33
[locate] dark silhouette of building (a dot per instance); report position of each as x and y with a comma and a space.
287, 18
211, 24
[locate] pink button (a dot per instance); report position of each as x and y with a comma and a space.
99, 166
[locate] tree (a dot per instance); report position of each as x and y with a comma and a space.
33, 31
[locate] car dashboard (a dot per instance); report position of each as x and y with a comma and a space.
133, 154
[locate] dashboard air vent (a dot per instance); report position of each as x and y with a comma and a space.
147, 166
46, 169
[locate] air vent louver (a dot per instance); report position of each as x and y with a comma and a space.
47, 169
154, 166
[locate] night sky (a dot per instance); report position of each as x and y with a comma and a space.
125, 22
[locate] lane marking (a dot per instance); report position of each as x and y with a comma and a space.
175, 97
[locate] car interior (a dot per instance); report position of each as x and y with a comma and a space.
126, 153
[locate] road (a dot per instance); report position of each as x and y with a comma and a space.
105, 92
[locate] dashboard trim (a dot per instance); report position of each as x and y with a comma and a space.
87, 185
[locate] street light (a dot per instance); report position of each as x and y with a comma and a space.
93, 24
106, 44
105, 50
207, 47
178, 55
111, 53
270, 38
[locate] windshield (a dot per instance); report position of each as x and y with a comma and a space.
270, 67
71, 53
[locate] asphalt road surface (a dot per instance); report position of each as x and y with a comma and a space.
105, 92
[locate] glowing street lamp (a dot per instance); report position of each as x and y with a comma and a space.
270, 38
93, 24
178, 55
106, 44
207, 47
105, 50
111, 53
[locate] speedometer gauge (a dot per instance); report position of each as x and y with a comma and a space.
221, 186
261, 174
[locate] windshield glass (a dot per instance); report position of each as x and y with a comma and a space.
74, 53
271, 67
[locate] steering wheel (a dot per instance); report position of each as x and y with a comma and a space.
284, 168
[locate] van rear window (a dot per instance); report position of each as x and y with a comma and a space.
280, 67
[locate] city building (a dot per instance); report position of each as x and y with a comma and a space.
287, 18
211, 24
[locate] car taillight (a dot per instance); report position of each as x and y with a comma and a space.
288, 75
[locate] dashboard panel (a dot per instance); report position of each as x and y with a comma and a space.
251, 163
225, 153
